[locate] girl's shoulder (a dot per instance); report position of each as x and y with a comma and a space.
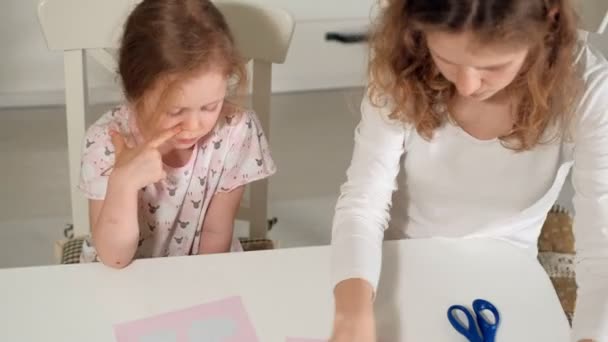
97, 156
116, 119
97, 142
237, 120
245, 156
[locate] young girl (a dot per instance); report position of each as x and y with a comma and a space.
165, 172
474, 114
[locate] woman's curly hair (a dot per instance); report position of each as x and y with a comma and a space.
547, 87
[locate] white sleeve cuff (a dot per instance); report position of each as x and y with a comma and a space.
356, 257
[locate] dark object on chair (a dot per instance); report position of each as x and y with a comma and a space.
272, 222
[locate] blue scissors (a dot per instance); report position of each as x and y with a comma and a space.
479, 329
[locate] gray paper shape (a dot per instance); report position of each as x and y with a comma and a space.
159, 336
212, 330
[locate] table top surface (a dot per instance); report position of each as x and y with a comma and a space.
287, 292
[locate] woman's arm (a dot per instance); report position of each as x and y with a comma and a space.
218, 225
362, 212
590, 180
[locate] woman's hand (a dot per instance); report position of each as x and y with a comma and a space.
354, 320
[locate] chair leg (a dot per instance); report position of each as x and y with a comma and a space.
261, 92
258, 228
76, 103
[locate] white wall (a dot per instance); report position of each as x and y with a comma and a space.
32, 75
601, 42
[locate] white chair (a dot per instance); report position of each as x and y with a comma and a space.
93, 27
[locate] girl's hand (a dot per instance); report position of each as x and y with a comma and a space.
142, 165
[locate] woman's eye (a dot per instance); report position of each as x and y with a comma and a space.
498, 68
176, 112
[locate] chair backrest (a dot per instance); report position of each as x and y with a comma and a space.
262, 33
94, 27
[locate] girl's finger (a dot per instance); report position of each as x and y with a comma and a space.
118, 141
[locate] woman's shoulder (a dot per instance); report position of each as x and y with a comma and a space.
593, 65
592, 112
376, 114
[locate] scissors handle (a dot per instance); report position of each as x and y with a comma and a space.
488, 328
470, 331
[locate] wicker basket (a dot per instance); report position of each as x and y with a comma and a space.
557, 253
68, 251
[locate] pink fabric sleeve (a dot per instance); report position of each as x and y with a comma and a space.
248, 158
96, 162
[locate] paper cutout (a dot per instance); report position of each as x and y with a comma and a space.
212, 330
160, 336
221, 321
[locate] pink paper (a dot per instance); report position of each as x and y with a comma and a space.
221, 321
293, 339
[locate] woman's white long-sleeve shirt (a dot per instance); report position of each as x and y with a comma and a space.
457, 186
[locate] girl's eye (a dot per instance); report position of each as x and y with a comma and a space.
209, 108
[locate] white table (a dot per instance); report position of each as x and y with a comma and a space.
287, 293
